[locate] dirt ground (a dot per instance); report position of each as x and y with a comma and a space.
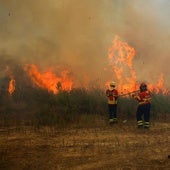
119, 147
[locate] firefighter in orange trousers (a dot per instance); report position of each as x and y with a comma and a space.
112, 95
144, 105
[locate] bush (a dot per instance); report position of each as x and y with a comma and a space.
41, 107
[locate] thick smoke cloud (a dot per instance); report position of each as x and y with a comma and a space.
77, 34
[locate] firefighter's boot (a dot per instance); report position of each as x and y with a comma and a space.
146, 125
140, 124
111, 120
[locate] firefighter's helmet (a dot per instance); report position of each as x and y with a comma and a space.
143, 87
112, 84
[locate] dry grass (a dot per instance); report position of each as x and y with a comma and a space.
120, 146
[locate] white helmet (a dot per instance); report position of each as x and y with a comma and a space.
112, 84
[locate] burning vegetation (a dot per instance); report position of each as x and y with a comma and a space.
121, 64
121, 57
46, 93
49, 80
57, 59
11, 87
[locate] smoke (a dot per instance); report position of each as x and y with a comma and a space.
77, 35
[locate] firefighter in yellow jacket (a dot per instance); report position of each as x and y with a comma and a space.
144, 104
112, 95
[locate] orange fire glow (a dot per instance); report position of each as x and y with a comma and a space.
11, 87
121, 57
159, 87
48, 80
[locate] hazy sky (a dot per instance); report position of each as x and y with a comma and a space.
77, 34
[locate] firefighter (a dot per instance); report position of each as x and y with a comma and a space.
112, 95
143, 109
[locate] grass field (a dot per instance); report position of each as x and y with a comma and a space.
99, 146
70, 130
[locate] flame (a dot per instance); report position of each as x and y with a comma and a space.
121, 57
48, 80
11, 87
159, 87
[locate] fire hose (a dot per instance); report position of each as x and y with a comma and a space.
136, 91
